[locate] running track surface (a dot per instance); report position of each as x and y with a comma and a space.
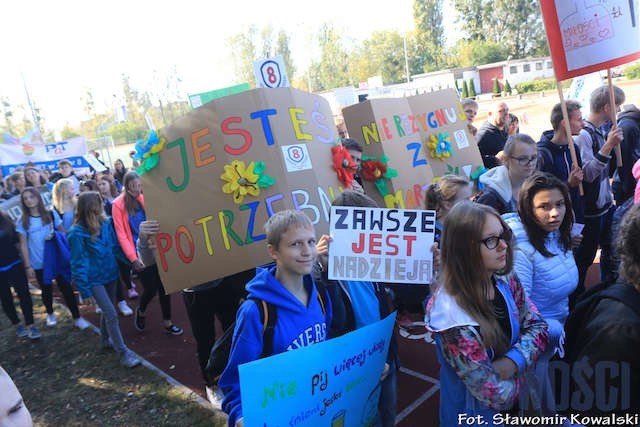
418, 384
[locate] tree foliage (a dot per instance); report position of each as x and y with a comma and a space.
381, 54
427, 15
332, 70
515, 25
254, 44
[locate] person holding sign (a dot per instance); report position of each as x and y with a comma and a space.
595, 152
128, 214
303, 313
544, 261
356, 304
488, 333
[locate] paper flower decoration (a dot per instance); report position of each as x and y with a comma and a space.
148, 152
476, 176
242, 181
377, 171
343, 164
439, 147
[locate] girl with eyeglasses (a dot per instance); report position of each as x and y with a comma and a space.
488, 333
502, 183
544, 261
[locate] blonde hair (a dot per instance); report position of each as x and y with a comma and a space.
281, 221
444, 190
59, 193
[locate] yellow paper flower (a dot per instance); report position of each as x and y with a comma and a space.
241, 180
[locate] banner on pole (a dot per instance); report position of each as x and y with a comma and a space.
381, 245
586, 36
333, 383
225, 168
44, 155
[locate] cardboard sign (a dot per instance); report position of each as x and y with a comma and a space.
587, 36
271, 72
199, 99
334, 383
381, 245
212, 227
423, 137
44, 155
13, 208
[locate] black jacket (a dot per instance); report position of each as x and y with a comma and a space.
624, 183
490, 142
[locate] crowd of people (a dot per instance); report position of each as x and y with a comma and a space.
507, 304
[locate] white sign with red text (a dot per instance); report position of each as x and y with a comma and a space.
381, 245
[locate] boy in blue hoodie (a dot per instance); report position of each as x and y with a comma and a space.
303, 317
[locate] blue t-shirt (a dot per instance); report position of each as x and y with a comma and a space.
366, 307
134, 223
36, 236
67, 220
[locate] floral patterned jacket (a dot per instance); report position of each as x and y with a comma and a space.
467, 364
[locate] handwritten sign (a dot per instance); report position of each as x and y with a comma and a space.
423, 137
224, 171
381, 245
13, 208
334, 383
587, 36
43, 155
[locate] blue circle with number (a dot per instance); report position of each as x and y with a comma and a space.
271, 75
295, 154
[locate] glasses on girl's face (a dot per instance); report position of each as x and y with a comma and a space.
525, 161
492, 242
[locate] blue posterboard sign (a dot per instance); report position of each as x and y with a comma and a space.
335, 383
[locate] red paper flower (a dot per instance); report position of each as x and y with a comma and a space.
343, 164
372, 170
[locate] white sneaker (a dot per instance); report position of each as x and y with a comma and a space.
81, 323
51, 319
214, 396
98, 309
124, 308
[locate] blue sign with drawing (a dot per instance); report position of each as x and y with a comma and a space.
335, 383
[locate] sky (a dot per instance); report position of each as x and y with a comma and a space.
64, 47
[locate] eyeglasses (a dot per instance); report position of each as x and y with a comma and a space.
493, 241
525, 161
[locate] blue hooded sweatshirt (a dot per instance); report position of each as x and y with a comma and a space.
93, 259
297, 326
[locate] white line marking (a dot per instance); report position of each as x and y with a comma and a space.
418, 375
419, 401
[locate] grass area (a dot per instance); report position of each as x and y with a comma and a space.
67, 380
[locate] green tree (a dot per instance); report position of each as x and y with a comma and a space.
67, 132
282, 48
381, 54
517, 25
468, 53
427, 16
465, 89
507, 87
472, 15
496, 87
472, 89
332, 70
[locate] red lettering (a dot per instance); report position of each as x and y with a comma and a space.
183, 231
358, 248
409, 240
391, 245
248, 140
385, 127
375, 242
164, 244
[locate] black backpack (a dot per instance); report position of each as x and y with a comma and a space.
583, 312
219, 355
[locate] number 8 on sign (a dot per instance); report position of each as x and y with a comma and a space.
271, 75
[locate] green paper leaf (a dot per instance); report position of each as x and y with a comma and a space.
384, 159
391, 173
266, 181
152, 161
381, 185
259, 168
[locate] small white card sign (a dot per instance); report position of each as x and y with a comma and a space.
271, 72
381, 245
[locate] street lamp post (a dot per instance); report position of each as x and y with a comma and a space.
406, 59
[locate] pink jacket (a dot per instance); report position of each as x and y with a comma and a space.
123, 230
